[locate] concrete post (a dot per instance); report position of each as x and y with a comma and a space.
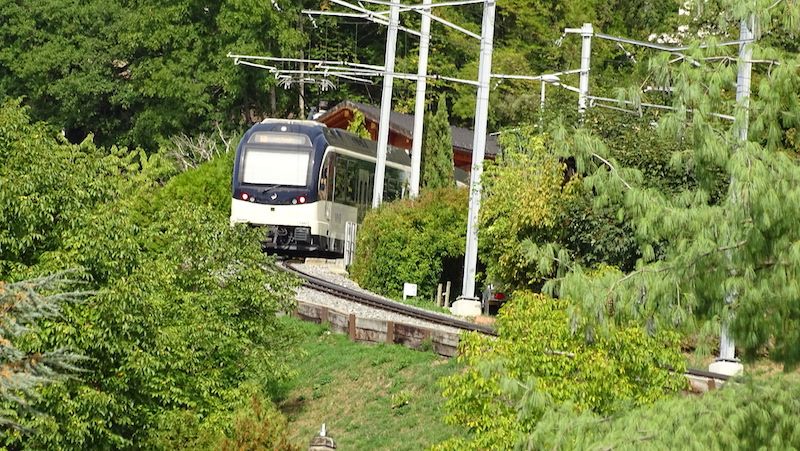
386, 103
727, 363
419, 106
467, 304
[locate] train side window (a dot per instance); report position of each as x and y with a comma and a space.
341, 183
393, 184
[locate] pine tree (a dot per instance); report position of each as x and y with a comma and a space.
437, 149
23, 307
709, 255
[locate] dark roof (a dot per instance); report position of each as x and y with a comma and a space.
404, 124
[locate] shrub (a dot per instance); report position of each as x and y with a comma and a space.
415, 241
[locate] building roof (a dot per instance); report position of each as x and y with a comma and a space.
403, 124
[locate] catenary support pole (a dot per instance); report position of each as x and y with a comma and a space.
586, 52
419, 106
727, 363
386, 103
478, 149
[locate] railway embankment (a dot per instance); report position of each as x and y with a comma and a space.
385, 321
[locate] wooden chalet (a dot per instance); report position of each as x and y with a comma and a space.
401, 130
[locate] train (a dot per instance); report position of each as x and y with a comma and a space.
308, 186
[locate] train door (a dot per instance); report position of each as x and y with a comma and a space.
342, 199
363, 193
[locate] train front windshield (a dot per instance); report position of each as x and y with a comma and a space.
275, 166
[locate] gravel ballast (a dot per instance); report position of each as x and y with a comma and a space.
334, 274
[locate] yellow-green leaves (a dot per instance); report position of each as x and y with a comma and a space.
537, 364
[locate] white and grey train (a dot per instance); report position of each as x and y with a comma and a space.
306, 184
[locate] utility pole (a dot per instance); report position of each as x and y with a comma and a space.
727, 363
586, 53
386, 103
302, 100
419, 106
586, 32
467, 303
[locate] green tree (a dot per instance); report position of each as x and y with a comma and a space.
730, 257
757, 413
183, 321
49, 184
357, 125
524, 198
134, 73
437, 149
537, 363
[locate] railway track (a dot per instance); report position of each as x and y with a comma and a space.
325, 286
700, 380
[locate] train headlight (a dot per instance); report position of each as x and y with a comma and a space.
245, 196
301, 199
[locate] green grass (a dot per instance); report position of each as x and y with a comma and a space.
382, 397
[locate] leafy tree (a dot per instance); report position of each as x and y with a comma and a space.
437, 149
524, 198
181, 326
259, 426
537, 362
136, 72
357, 125
48, 184
22, 373
418, 241
731, 257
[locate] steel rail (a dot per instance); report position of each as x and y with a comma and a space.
323, 285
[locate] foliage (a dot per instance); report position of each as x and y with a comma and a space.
530, 40
708, 254
259, 426
48, 185
524, 198
358, 125
209, 184
757, 413
22, 305
537, 363
184, 319
412, 241
137, 72
437, 149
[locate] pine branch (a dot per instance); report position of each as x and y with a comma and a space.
607, 163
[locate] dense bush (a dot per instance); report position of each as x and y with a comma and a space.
524, 199
414, 241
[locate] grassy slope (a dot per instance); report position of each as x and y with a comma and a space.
354, 389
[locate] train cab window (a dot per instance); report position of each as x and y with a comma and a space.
263, 166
